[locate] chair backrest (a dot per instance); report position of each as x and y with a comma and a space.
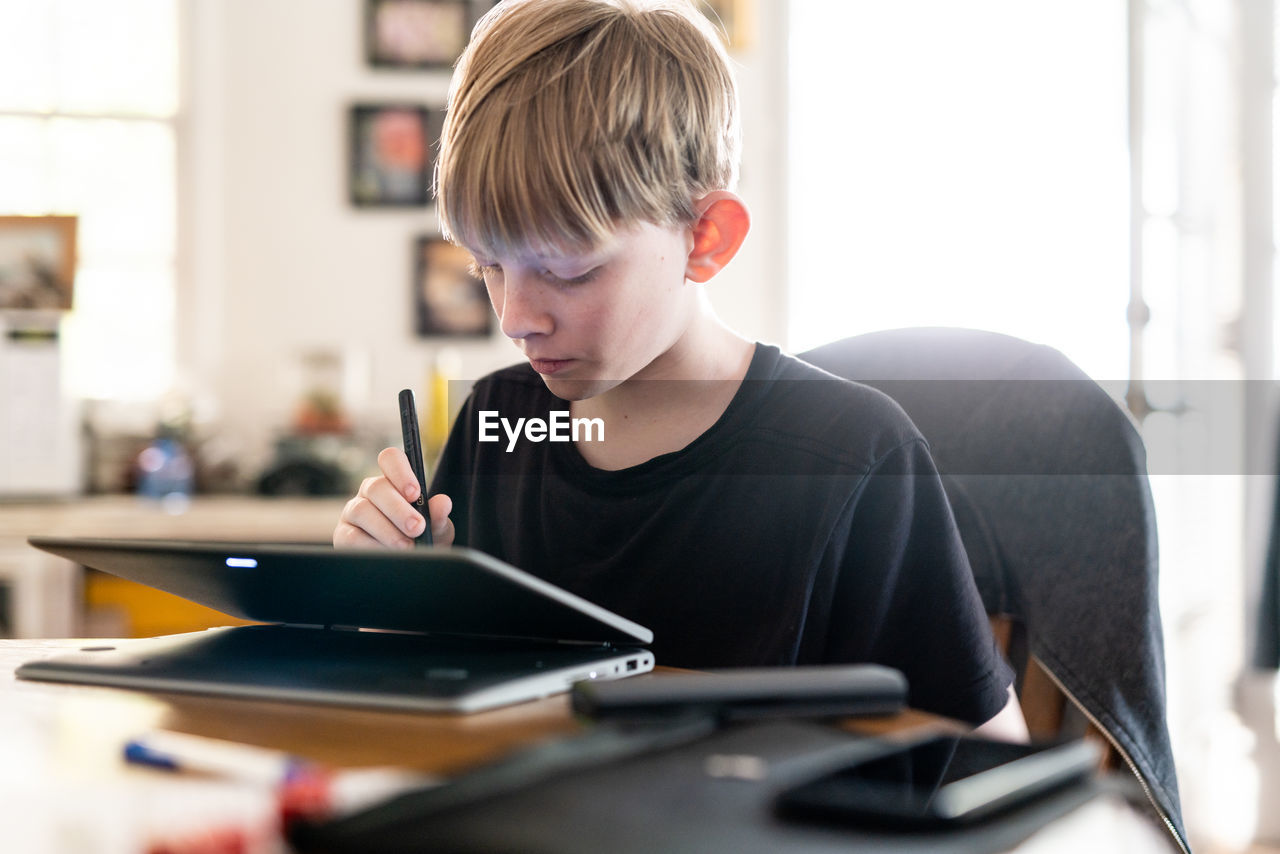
1047, 479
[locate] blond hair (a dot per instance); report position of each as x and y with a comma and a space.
568, 119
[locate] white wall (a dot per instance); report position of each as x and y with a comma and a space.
277, 262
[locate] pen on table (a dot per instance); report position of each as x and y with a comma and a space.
304, 788
413, 450
175, 751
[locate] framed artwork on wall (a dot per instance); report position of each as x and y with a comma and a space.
392, 153
448, 299
37, 262
417, 34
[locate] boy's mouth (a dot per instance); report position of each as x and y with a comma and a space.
546, 367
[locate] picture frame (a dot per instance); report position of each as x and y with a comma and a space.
418, 34
37, 262
392, 154
448, 299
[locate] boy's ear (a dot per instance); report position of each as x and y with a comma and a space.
718, 232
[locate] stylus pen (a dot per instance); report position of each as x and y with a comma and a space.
304, 787
413, 450
176, 751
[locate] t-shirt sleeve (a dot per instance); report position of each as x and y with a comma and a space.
905, 596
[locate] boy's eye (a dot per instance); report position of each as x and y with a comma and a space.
576, 280
475, 268
482, 270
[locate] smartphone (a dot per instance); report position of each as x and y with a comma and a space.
941, 781
746, 693
413, 450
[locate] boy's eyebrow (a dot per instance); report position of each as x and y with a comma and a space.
593, 256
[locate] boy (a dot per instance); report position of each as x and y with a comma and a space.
747, 507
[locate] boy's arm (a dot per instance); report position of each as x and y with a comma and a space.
905, 595
1008, 724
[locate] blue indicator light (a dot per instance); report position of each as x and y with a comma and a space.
244, 562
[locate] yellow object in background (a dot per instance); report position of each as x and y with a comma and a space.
435, 424
118, 608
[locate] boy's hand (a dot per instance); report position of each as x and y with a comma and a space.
382, 512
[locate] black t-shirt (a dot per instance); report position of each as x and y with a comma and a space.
807, 525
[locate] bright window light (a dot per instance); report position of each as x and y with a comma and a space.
960, 164
88, 102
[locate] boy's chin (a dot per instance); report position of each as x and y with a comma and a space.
571, 390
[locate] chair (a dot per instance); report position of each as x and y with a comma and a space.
1047, 479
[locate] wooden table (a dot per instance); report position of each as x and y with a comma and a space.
63, 778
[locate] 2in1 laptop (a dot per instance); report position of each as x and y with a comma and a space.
457, 630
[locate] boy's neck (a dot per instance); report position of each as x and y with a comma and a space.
668, 407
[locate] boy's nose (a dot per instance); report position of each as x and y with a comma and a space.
522, 312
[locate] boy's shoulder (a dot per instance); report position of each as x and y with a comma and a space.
816, 412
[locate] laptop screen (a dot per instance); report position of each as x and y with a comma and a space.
454, 591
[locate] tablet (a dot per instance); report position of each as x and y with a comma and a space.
438, 590
461, 631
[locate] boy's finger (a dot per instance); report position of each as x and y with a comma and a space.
347, 535
364, 514
440, 506
395, 467
387, 500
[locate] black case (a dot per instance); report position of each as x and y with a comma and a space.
700, 793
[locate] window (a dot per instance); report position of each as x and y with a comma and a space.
88, 108
960, 164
